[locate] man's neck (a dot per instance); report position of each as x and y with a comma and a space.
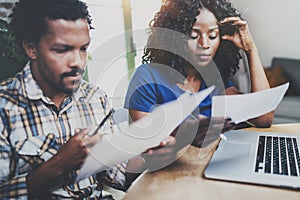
56, 96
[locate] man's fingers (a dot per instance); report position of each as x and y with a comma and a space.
90, 141
83, 132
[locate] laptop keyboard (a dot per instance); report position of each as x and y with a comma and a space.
278, 155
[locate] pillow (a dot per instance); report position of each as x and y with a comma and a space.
276, 77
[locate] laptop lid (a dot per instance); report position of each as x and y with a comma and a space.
253, 157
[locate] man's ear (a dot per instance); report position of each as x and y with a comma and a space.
30, 49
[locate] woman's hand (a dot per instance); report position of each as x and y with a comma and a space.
242, 37
202, 132
162, 155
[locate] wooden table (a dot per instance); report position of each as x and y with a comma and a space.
184, 179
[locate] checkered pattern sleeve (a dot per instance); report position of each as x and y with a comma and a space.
10, 186
115, 177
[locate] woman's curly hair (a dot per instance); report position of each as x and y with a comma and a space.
179, 16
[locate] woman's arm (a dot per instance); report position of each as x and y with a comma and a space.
154, 158
242, 38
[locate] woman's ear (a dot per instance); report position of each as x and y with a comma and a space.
30, 49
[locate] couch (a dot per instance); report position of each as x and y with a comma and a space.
286, 70
282, 70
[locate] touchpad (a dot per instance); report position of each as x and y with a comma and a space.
232, 149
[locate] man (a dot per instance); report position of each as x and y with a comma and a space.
46, 108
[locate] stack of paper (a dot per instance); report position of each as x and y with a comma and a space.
148, 132
247, 106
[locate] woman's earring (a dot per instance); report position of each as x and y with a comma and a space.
185, 47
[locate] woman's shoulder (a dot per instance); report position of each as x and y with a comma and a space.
150, 68
148, 72
157, 71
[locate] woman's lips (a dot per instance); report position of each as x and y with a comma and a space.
203, 57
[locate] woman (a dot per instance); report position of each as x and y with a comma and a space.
208, 53
192, 44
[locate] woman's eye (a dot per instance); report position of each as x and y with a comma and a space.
212, 37
194, 35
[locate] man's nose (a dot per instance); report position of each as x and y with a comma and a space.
77, 59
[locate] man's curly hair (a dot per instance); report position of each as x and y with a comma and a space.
179, 16
29, 16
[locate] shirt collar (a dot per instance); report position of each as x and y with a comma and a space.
32, 89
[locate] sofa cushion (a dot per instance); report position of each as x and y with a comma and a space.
291, 69
275, 76
289, 107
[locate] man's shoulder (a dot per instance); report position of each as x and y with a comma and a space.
92, 91
11, 90
11, 82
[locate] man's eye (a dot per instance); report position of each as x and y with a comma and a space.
60, 50
84, 49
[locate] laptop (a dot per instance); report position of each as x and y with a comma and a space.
265, 158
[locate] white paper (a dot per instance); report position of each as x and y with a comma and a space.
132, 140
247, 106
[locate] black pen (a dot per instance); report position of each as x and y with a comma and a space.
104, 120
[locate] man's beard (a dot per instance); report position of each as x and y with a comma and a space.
70, 91
74, 72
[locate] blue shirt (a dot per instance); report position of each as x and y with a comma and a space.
155, 84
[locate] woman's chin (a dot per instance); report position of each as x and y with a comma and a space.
203, 64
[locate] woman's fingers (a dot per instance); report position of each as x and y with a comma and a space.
234, 21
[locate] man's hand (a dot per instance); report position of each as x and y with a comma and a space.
73, 153
69, 157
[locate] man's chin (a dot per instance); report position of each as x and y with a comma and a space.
71, 90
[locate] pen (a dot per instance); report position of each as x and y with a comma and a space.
104, 120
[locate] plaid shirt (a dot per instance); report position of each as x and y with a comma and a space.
32, 130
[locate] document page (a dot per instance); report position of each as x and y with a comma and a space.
246, 106
131, 140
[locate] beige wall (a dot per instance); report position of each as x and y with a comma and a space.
275, 26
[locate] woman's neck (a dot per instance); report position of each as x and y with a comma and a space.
192, 83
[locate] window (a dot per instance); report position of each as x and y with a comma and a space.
110, 63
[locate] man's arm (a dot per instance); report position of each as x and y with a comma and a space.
54, 172
9, 186
49, 175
